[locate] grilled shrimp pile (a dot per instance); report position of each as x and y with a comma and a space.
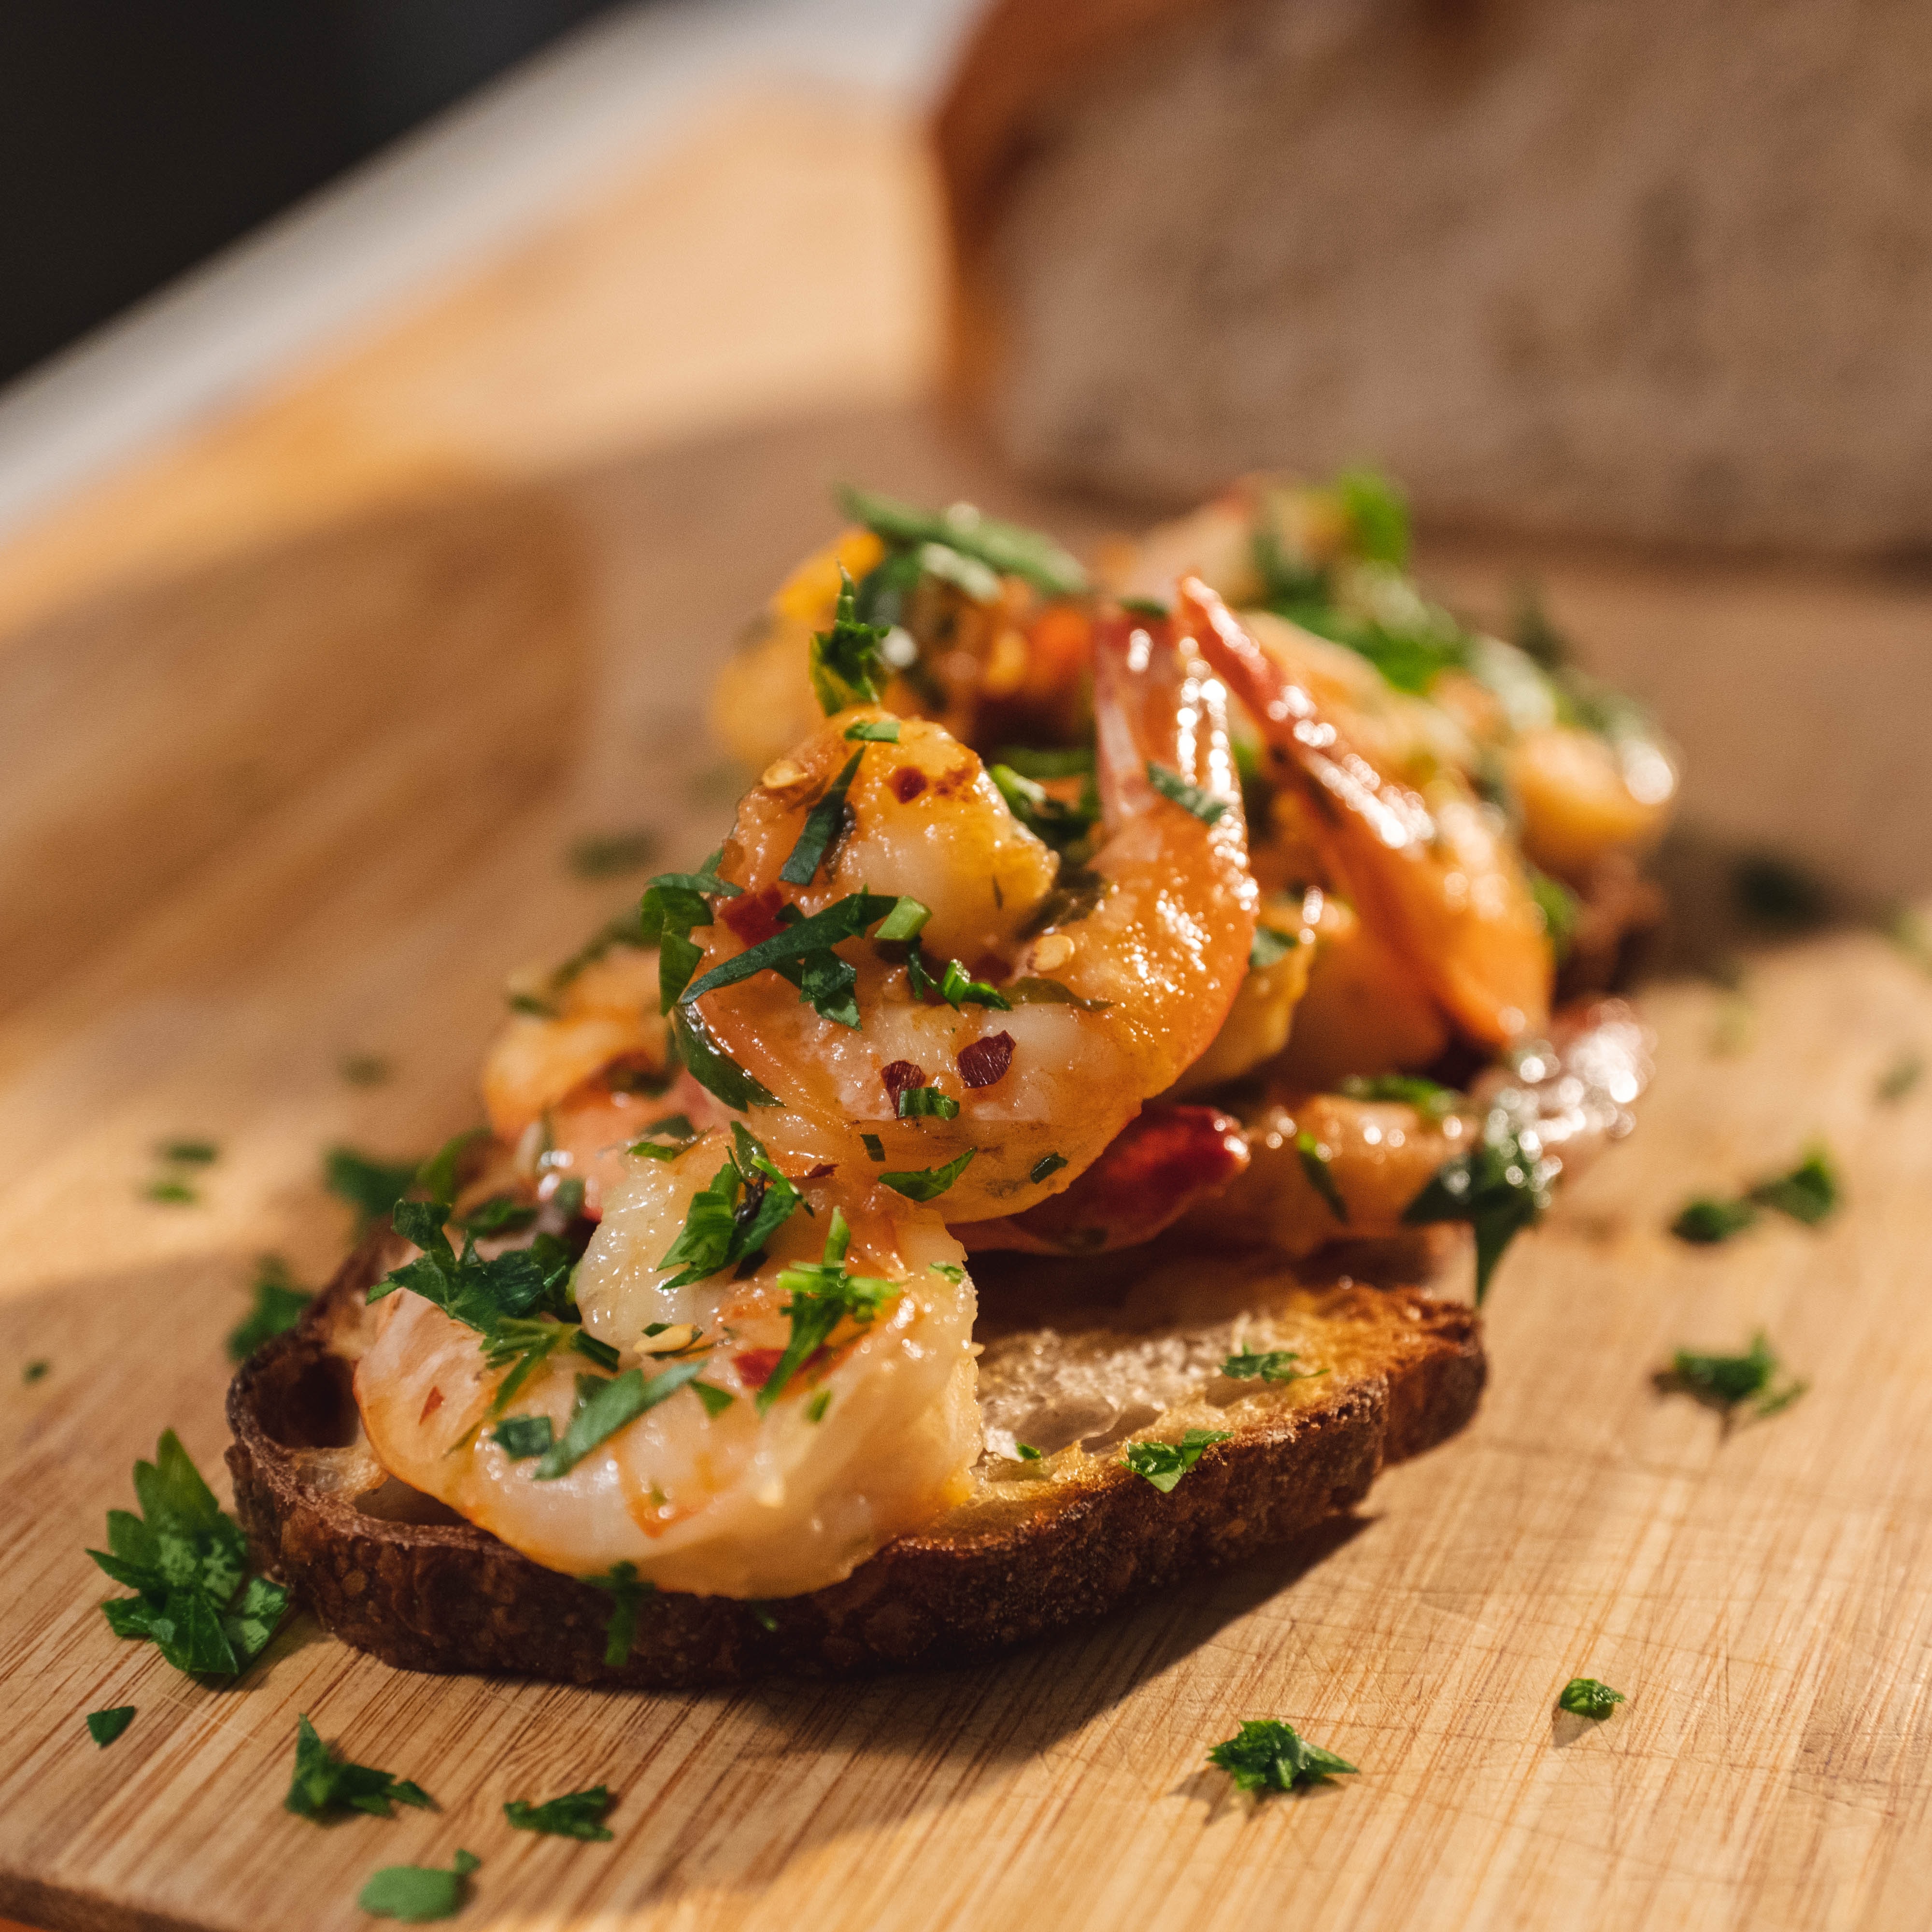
1222, 900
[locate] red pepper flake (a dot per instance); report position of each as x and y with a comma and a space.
908, 782
755, 1366
754, 916
825, 1168
985, 1061
900, 1075
431, 1403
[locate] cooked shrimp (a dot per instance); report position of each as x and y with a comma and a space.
1435, 878
1106, 983
723, 1493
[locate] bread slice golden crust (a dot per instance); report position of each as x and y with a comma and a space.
1037, 1547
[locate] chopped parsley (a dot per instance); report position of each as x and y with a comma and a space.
1707, 1220
279, 1303
104, 1727
1027, 1452
34, 1371
1557, 903
1775, 893
1808, 1193
712, 1067
904, 921
729, 1221
665, 1139
1724, 1381
502, 1214
627, 1591
926, 1103
610, 855
1589, 1697
418, 1893
520, 1437
1900, 1077
928, 1184
802, 953
873, 731
847, 665
521, 1285
822, 823
326, 1781
1163, 1464
365, 1069
815, 1410
1270, 1365
1270, 948
875, 1148
1430, 1098
172, 1193
577, 1814
606, 1406
1266, 1755
949, 1271
187, 1560
1009, 549
673, 903
955, 985
1500, 1187
1053, 820
189, 1153
1171, 785
1047, 1165
823, 1293
1314, 1164
369, 1185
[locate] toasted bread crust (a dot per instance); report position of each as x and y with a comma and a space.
442, 1596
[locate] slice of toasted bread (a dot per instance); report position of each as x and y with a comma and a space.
1039, 1544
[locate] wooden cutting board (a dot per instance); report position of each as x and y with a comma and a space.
297, 782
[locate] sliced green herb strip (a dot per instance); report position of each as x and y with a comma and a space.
187, 1560
1053, 820
1706, 1221
1726, 1381
667, 1138
1190, 798
627, 1591
614, 1405
519, 1285
369, 1185
577, 1814
674, 905
1031, 991
279, 1304
1069, 761
904, 921
928, 1184
32, 1371
847, 665
1266, 1755
1026, 1452
1163, 1464
875, 1148
844, 918
172, 1193
815, 1410
822, 1294
104, 1727
1272, 1365
1047, 1165
1270, 948
325, 1782
917, 1103
874, 731
1589, 1697
610, 855
822, 824
712, 1067
189, 1154
951, 1270
1430, 1098
417, 1894
1314, 1159
747, 1201
501, 1214
520, 1437
1010, 549
1145, 606
1808, 1193
955, 985
716, 1400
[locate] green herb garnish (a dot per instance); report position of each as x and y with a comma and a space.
955, 985
928, 1184
1163, 1464
520, 1437
1270, 948
577, 1814
34, 1371
747, 1201
1500, 1187
1431, 1100
324, 1781
1171, 785
1314, 1164
1707, 1220
1010, 549
610, 855
1589, 1697
1027, 1452
712, 1067
627, 1591
825, 981
823, 1293
1053, 820
1726, 1381
1266, 1755
874, 731
1057, 761
1271, 1365
371, 1186
875, 1148
674, 904
917, 1103
104, 1727
418, 1893
438, 1177
501, 1214
815, 1410
279, 1303
611, 1405
188, 1561
365, 1069
665, 1139
847, 665
189, 1153
1047, 1165
1558, 905
172, 1193
1808, 1193
521, 1285
822, 825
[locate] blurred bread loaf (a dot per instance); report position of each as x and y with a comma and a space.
1659, 271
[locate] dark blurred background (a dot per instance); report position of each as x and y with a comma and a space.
136, 139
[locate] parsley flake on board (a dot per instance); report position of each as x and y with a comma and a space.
627, 1591
1808, 1193
1271, 1365
577, 1814
1430, 1098
1724, 1381
747, 1201
847, 665
1707, 1220
823, 1293
104, 1727
279, 1302
610, 855
172, 1193
928, 1184
1163, 1464
1589, 1697
1314, 1158
1191, 798
188, 1561
34, 1371
1266, 1755
365, 1069
501, 1214
417, 1894
822, 824
371, 1186
326, 1781
189, 1153
1009, 549
1500, 1187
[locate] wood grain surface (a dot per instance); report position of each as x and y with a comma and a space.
278, 796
